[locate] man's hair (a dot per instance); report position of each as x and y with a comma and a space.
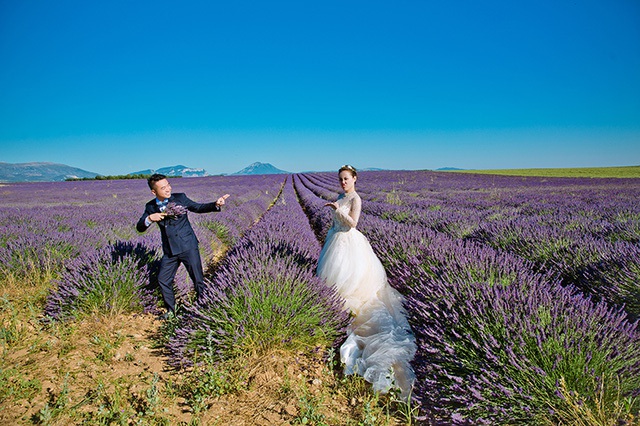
155, 178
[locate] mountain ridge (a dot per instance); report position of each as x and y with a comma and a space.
258, 168
56, 172
41, 172
177, 170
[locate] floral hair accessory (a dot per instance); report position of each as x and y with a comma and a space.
350, 168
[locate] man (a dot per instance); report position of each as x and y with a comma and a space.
179, 242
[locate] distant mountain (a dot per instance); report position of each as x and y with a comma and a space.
447, 169
178, 170
260, 169
40, 172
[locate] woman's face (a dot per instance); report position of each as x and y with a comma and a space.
347, 181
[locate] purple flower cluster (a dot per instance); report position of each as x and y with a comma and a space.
518, 290
264, 294
116, 279
499, 327
585, 230
174, 210
54, 228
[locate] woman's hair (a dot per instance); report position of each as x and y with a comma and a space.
349, 168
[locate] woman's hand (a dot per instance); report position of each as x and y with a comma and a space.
334, 206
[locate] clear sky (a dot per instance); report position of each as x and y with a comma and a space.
115, 87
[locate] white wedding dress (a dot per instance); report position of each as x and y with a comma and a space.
379, 343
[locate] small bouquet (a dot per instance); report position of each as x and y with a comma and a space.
174, 210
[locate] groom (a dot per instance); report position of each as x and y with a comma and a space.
179, 242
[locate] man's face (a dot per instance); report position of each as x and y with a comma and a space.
162, 189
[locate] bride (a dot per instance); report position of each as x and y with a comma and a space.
379, 343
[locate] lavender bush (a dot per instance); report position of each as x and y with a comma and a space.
578, 228
522, 292
493, 353
503, 339
40, 237
111, 280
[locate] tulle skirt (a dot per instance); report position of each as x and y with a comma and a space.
379, 344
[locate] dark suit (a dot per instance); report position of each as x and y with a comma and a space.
179, 244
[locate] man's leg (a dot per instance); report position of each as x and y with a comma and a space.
166, 275
193, 263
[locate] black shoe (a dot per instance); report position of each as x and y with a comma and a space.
167, 315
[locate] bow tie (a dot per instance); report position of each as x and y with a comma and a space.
162, 204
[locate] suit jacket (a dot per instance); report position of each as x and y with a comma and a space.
177, 233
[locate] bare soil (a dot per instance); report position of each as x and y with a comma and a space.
100, 360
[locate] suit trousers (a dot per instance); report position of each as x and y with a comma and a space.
168, 268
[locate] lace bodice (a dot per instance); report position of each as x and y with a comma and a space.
347, 214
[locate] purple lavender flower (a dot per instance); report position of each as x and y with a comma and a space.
174, 210
498, 276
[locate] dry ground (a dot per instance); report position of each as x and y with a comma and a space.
112, 370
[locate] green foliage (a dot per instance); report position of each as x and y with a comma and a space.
219, 229
153, 397
212, 381
110, 294
106, 347
14, 385
100, 284
309, 411
9, 328
584, 371
167, 329
39, 264
101, 406
394, 198
599, 411
595, 172
56, 405
267, 314
114, 177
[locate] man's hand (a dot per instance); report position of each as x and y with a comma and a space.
220, 201
156, 217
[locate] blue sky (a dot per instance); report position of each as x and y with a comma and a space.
115, 87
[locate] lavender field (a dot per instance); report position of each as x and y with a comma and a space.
523, 292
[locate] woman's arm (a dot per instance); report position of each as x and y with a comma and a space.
353, 217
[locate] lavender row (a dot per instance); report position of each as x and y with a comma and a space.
263, 295
586, 230
607, 208
498, 340
88, 243
44, 224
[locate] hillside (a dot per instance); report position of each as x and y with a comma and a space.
40, 172
178, 170
594, 172
258, 168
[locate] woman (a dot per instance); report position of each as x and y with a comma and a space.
379, 343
